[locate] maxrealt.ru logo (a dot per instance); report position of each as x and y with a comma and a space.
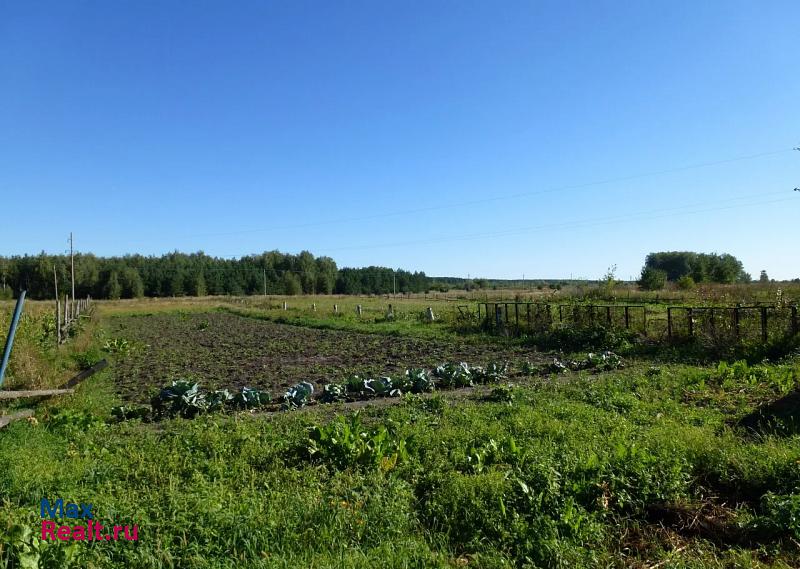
92, 531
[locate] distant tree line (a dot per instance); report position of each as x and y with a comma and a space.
198, 274
687, 268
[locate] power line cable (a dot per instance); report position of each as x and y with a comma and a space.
578, 224
506, 197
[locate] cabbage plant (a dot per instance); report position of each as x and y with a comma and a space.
298, 396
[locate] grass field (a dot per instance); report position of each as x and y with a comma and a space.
657, 464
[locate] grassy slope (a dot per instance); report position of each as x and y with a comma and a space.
567, 475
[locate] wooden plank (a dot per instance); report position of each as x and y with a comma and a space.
21, 414
36, 393
102, 364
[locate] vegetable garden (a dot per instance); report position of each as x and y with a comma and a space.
413, 450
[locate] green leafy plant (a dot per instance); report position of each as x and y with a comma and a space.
494, 372
381, 387
481, 455
117, 346
88, 358
298, 396
454, 375
247, 398
127, 412
780, 516
605, 361
346, 442
75, 419
502, 394
182, 398
333, 392
218, 399
354, 384
419, 380
653, 371
23, 549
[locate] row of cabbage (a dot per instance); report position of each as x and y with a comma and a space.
186, 399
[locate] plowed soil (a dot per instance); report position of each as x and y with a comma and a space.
223, 350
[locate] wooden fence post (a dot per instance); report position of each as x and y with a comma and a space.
669, 321
498, 316
713, 324
690, 314
644, 320
795, 324
736, 317
627, 318
608, 315
358, 310
764, 334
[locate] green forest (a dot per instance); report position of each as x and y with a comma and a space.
687, 268
197, 274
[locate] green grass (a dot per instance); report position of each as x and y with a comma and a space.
556, 478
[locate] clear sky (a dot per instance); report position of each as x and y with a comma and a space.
485, 138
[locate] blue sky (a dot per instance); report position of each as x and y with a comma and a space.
485, 138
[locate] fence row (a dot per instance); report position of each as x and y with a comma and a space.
717, 324
71, 312
726, 324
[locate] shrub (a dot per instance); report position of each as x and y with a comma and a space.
88, 358
653, 279
686, 282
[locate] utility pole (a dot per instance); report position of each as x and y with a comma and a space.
58, 307
394, 283
265, 282
72, 264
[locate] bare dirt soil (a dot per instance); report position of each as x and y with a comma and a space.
226, 351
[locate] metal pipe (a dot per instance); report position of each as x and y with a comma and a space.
10, 339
